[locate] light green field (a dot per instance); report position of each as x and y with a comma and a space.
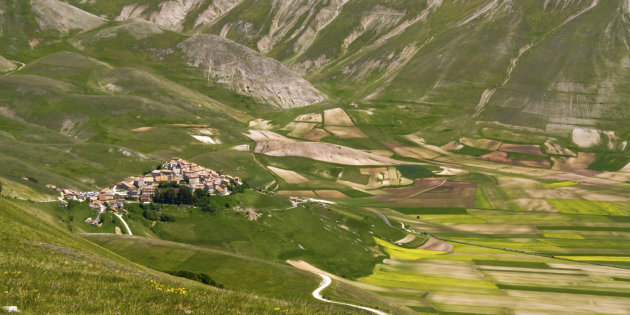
576, 206
481, 199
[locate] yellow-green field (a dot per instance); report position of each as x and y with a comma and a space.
477, 279
598, 258
405, 253
563, 236
577, 206
560, 184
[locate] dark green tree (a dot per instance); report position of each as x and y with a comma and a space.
184, 196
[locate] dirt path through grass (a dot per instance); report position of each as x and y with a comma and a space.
325, 283
124, 223
22, 65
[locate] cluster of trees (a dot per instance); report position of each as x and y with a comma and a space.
153, 212
174, 193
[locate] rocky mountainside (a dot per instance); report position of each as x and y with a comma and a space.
248, 72
466, 67
549, 65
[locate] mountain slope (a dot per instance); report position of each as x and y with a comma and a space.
480, 59
46, 269
248, 72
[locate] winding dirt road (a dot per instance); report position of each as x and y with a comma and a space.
325, 283
124, 223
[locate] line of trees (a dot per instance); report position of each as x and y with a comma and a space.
173, 194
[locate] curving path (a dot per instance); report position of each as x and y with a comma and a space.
327, 281
124, 223
21, 65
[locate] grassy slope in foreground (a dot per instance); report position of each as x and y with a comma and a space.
46, 269
239, 272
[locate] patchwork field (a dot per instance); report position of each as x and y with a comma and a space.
493, 282
456, 157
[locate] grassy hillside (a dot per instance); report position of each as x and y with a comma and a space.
46, 269
237, 272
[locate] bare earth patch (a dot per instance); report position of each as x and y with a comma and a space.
316, 134
496, 156
586, 137
331, 194
316, 118
419, 186
448, 195
380, 152
451, 171
260, 124
141, 129
452, 146
437, 245
554, 148
290, 177
422, 143
403, 152
346, 132
406, 239
297, 193
582, 161
385, 176
300, 129
623, 175
207, 139
264, 135
240, 147
502, 157
337, 117
325, 152
522, 148
485, 144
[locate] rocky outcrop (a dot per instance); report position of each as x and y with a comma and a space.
216, 9
62, 17
172, 13
131, 11
249, 72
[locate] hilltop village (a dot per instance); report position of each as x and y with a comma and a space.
142, 188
